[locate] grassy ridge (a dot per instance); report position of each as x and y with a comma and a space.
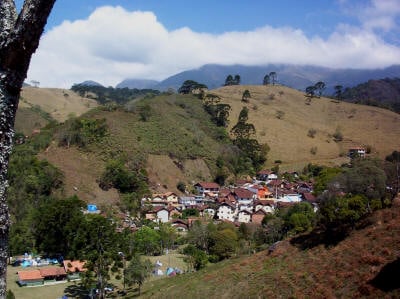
178, 130
356, 267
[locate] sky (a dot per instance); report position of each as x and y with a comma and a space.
109, 41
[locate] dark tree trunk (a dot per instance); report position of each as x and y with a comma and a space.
19, 39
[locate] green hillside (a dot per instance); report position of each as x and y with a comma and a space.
358, 267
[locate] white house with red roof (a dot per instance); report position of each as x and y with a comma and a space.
207, 188
244, 198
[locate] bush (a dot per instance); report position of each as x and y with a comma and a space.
337, 136
311, 133
313, 150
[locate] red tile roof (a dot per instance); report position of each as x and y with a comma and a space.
54, 271
29, 275
243, 193
208, 185
74, 266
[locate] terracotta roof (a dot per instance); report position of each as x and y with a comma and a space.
260, 211
29, 275
264, 202
309, 197
266, 171
208, 185
54, 271
75, 266
224, 192
243, 193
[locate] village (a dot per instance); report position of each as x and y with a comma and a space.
244, 202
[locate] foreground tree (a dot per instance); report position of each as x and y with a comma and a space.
138, 271
19, 39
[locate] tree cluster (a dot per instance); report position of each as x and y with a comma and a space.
190, 86
252, 151
105, 95
232, 80
271, 77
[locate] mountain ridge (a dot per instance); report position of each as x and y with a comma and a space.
294, 76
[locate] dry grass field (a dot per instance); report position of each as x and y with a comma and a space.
59, 103
283, 119
281, 115
364, 265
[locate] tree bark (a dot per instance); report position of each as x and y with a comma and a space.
19, 39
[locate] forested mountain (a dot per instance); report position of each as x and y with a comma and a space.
382, 93
294, 76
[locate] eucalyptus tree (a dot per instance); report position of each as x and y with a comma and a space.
273, 77
19, 39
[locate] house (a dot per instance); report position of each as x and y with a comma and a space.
290, 197
226, 212
355, 152
209, 212
244, 198
30, 278
260, 191
53, 274
210, 188
180, 225
244, 216
162, 215
266, 175
268, 206
188, 201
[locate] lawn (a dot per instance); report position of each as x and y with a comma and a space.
43, 292
72, 289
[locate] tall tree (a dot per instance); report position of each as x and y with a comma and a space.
320, 87
138, 271
19, 39
273, 77
237, 79
338, 92
266, 80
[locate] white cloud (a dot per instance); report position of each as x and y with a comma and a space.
114, 44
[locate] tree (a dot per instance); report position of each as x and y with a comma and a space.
273, 77
97, 242
320, 87
55, 224
196, 258
228, 80
237, 80
246, 95
338, 92
310, 91
137, 271
19, 39
266, 80
189, 86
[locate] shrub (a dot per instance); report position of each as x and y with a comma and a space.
337, 136
311, 133
313, 150
280, 114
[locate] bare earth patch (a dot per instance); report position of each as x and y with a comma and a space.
81, 171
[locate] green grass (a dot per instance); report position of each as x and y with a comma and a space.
42, 292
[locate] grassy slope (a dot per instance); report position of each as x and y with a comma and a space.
360, 125
177, 129
59, 103
175, 140
343, 271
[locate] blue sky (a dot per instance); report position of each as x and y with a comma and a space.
108, 41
